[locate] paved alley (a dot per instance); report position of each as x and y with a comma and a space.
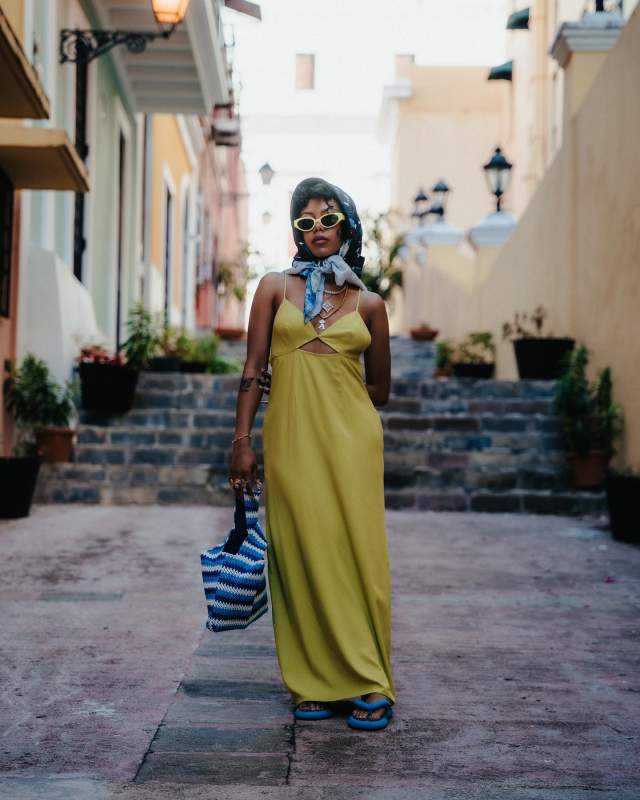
515, 652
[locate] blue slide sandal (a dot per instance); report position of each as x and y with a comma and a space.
371, 724
322, 713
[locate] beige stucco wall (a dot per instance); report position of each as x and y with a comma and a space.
448, 128
576, 249
169, 159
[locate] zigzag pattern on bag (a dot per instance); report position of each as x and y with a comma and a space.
235, 586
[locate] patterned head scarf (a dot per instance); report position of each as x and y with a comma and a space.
346, 265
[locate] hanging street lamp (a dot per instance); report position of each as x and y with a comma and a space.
266, 173
497, 172
169, 12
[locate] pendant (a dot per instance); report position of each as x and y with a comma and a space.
326, 306
321, 324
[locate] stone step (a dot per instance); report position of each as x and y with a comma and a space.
569, 502
433, 388
147, 484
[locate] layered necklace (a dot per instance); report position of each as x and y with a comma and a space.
330, 308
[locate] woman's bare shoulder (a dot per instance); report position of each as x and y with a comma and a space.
371, 302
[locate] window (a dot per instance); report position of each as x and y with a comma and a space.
6, 230
305, 71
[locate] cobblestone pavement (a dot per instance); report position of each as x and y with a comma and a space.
515, 652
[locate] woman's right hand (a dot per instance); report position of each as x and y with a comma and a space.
243, 463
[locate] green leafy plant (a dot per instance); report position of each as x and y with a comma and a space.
171, 341
590, 418
382, 270
203, 349
444, 351
224, 365
477, 347
36, 400
142, 339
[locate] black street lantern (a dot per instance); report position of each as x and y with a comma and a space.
266, 173
441, 191
80, 47
420, 205
497, 171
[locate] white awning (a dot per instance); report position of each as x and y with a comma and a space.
185, 74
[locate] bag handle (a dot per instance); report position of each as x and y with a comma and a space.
237, 536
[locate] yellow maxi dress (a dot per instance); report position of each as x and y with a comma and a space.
327, 555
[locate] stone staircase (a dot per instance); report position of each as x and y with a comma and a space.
450, 444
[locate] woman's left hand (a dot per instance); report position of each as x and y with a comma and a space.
264, 381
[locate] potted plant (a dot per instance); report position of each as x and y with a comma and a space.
108, 381
172, 346
538, 357
623, 489
41, 407
590, 419
201, 354
224, 365
474, 357
423, 332
444, 352
230, 333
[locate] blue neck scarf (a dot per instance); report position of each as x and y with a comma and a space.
345, 265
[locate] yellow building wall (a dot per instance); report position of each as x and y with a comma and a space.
14, 12
168, 155
448, 128
576, 249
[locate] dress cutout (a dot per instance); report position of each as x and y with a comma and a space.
327, 555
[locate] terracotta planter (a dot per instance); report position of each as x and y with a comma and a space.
54, 444
423, 334
464, 370
588, 472
18, 478
231, 333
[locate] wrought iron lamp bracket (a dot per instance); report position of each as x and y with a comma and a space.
78, 46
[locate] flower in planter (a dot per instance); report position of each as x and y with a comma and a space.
516, 328
97, 354
476, 348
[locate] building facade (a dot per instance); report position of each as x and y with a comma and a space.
120, 220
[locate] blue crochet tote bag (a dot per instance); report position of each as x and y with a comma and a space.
233, 572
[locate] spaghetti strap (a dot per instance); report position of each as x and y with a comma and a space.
284, 291
358, 300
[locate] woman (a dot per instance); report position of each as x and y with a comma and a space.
323, 462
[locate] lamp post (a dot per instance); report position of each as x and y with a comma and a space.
441, 191
497, 172
420, 205
266, 173
80, 47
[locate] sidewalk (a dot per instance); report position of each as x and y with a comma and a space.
515, 654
